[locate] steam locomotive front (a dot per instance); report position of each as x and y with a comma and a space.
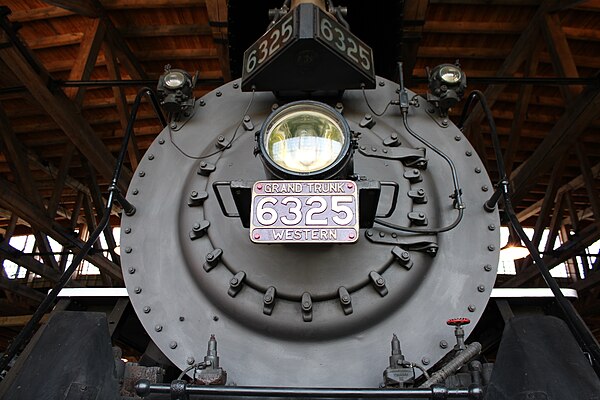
281, 214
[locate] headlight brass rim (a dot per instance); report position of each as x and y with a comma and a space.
315, 110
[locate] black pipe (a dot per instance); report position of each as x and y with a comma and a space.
113, 194
144, 388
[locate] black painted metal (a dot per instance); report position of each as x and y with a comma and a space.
435, 392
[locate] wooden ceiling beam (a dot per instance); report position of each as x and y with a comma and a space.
86, 59
65, 114
578, 116
164, 30
217, 15
12, 200
415, 12
588, 179
47, 42
60, 180
8, 252
136, 4
41, 13
87, 8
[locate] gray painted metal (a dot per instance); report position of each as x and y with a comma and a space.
334, 349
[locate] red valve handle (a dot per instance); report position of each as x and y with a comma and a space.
458, 321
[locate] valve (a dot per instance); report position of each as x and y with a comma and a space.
459, 332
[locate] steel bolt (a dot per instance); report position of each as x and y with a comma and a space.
345, 299
485, 188
257, 236
421, 191
443, 344
221, 138
236, 85
425, 361
196, 226
477, 170
381, 234
492, 227
491, 247
472, 308
487, 267
161, 141
362, 147
219, 94
468, 153
381, 83
194, 194
481, 288
268, 299
274, 107
385, 151
173, 345
306, 305
135, 192
190, 360
445, 122
173, 125
215, 318
404, 255
374, 149
203, 164
394, 235
369, 233
210, 257
158, 328
182, 318
234, 281
151, 157
138, 290
128, 250
128, 230
142, 174
202, 103
147, 310
131, 270
457, 138
380, 281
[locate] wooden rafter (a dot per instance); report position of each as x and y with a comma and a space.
415, 12
217, 14
588, 179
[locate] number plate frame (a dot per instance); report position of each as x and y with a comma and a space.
302, 225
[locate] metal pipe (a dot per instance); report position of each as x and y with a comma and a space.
144, 388
453, 365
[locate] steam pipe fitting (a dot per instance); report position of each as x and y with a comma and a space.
453, 365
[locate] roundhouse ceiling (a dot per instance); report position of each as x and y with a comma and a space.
59, 142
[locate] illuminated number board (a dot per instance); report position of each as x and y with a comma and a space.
340, 40
270, 44
304, 212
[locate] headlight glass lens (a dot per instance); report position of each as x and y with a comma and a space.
174, 80
304, 139
450, 74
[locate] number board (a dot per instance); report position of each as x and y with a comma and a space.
340, 40
271, 43
304, 212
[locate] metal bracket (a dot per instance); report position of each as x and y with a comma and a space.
418, 218
378, 283
413, 175
206, 168
424, 243
269, 300
410, 157
345, 300
418, 196
197, 198
199, 229
306, 304
403, 257
212, 259
236, 283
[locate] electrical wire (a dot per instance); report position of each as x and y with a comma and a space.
457, 196
362, 86
226, 146
188, 369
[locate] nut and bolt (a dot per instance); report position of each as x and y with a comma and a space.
477, 170
472, 308
380, 281
128, 230
219, 94
481, 288
190, 360
202, 103
443, 344
492, 227
173, 125
173, 345
135, 192
445, 122
131, 270
381, 83
221, 138
485, 188
425, 361
468, 153
161, 141
457, 138
142, 174
151, 157
128, 250
182, 318
491, 247
487, 267
147, 310
234, 281
158, 328
236, 85
194, 194
138, 290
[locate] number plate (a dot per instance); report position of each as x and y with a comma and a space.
304, 211
340, 40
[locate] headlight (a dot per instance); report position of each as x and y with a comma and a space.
450, 74
305, 138
174, 80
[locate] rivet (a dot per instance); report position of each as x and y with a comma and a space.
374, 149
182, 318
173, 125
256, 236
485, 188
275, 106
415, 171
350, 185
477, 170
468, 153
219, 94
421, 215
215, 318
491, 247
202, 103
147, 310
236, 85
259, 186
445, 122
268, 299
128, 230
138, 290
481, 288
194, 194
369, 233
173, 345
385, 151
487, 267
246, 118
306, 305
158, 328
492, 227
161, 141
362, 147
191, 360
131, 270
142, 174
380, 281
135, 192
472, 308
234, 281
381, 83
457, 138
425, 361
421, 191
196, 226
151, 157
203, 164
394, 235
368, 117
345, 299
221, 138
351, 236
128, 250
443, 344
381, 234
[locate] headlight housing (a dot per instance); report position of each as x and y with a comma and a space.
306, 139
